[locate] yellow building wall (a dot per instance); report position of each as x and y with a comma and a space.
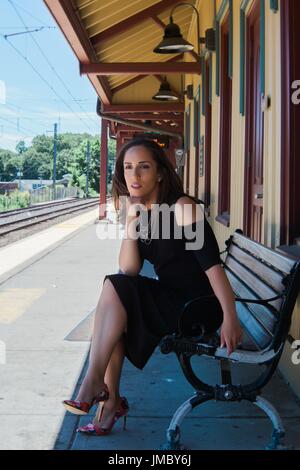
135, 93
272, 146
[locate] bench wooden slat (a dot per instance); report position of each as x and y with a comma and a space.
262, 290
248, 343
276, 259
259, 335
273, 278
262, 315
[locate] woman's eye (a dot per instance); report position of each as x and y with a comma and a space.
142, 167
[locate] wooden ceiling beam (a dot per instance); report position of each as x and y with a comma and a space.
132, 21
141, 68
124, 127
127, 83
143, 108
151, 117
140, 77
133, 130
140, 125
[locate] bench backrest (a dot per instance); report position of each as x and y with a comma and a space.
258, 272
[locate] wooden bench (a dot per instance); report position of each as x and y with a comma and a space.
266, 285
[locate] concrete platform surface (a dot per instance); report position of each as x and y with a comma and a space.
43, 299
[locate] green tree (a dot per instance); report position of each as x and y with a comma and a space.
36, 164
36, 160
21, 147
1, 168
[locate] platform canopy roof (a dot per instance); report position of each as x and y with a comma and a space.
114, 41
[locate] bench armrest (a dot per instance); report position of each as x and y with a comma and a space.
264, 302
202, 297
261, 301
237, 299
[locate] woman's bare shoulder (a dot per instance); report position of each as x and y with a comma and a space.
187, 211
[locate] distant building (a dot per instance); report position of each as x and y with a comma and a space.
7, 187
31, 185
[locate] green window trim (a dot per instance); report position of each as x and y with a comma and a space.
203, 72
262, 46
199, 114
185, 146
217, 58
187, 130
210, 78
274, 5
201, 156
204, 80
243, 8
219, 16
196, 117
230, 62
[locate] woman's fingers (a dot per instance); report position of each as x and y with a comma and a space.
230, 347
230, 338
222, 340
230, 343
132, 206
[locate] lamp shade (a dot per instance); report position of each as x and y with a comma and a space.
173, 42
165, 93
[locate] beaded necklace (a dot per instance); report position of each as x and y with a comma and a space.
145, 231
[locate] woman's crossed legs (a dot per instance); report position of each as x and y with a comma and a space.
107, 352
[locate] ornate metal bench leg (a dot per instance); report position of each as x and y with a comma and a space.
278, 434
173, 431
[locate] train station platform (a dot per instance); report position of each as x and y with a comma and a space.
49, 287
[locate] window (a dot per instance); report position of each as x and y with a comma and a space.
225, 128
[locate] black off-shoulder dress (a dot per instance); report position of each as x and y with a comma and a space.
154, 306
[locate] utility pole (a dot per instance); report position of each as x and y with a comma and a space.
87, 169
54, 160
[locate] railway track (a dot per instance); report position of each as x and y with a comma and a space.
14, 221
34, 208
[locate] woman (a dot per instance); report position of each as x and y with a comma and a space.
134, 312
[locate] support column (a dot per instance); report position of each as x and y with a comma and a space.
119, 143
103, 168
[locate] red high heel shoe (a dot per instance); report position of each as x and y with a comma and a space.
83, 407
99, 431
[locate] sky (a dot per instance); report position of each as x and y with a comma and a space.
40, 82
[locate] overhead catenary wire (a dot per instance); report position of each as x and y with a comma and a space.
47, 60
20, 127
29, 110
28, 30
32, 16
40, 75
21, 27
47, 83
19, 108
55, 99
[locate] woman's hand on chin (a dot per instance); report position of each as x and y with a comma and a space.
133, 205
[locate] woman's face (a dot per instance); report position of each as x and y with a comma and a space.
140, 172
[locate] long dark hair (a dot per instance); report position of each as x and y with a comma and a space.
170, 183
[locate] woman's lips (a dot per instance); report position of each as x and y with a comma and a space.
136, 186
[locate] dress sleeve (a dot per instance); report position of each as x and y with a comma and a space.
208, 255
